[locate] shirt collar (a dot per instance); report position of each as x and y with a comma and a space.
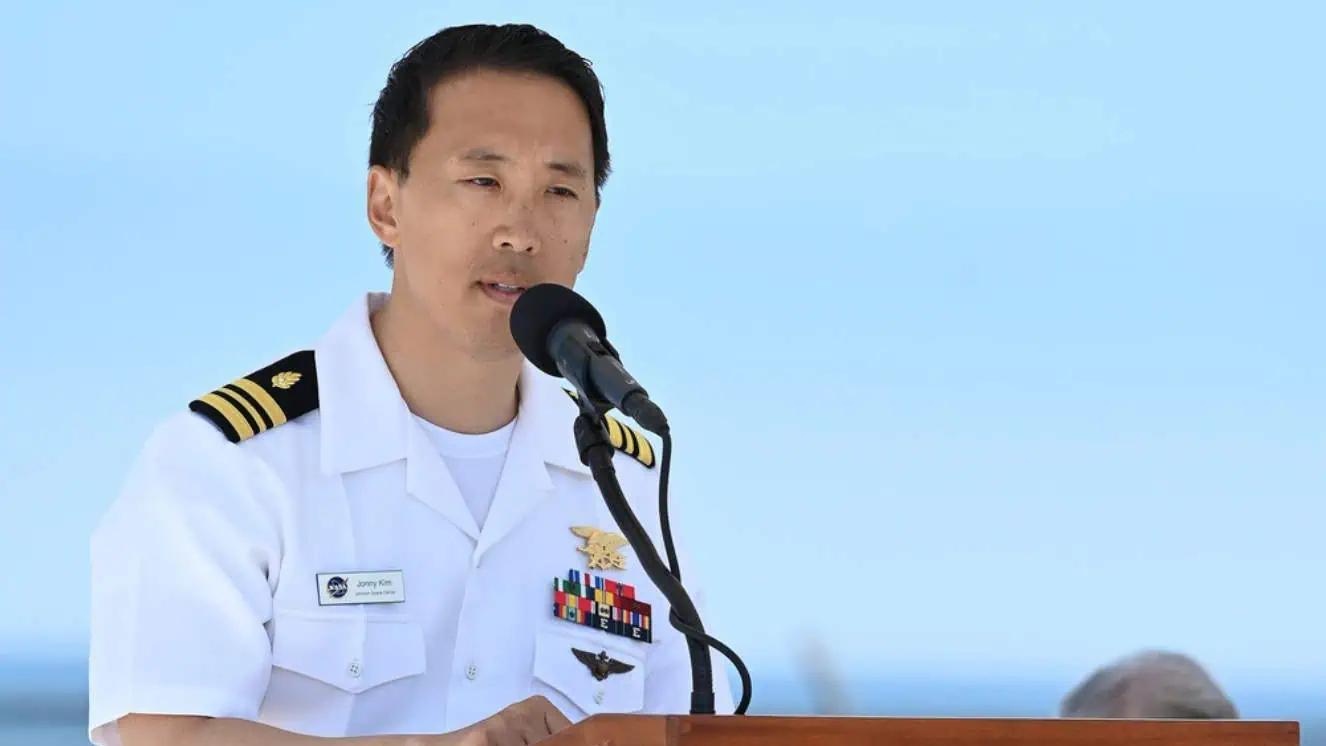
365, 421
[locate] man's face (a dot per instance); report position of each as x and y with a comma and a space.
500, 196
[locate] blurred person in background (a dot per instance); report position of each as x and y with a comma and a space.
1150, 685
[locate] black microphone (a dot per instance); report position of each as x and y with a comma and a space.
563, 335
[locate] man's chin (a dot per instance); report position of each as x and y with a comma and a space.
493, 342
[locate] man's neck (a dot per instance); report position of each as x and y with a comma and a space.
441, 383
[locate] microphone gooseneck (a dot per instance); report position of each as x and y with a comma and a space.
563, 335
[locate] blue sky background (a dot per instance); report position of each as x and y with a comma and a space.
991, 332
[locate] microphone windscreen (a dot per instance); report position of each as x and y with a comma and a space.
539, 310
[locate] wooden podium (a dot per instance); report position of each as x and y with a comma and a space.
759, 730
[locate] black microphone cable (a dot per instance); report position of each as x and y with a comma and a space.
665, 527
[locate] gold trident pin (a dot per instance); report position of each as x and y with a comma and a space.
601, 546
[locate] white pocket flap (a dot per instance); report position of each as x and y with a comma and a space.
353, 654
622, 686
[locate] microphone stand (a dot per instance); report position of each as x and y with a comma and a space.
596, 452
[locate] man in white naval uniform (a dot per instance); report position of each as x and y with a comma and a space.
389, 538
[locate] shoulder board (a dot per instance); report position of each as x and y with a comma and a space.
625, 438
267, 397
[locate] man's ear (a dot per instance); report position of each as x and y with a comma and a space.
383, 199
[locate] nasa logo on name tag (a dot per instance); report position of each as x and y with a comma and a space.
343, 588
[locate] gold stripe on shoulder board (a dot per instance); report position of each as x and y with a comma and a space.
626, 438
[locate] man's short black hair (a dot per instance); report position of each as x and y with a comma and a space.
400, 117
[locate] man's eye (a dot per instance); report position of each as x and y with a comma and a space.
562, 192
483, 181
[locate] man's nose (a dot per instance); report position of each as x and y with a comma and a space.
517, 232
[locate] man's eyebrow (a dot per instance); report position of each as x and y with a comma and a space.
484, 155
570, 168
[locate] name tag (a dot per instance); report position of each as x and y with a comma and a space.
340, 588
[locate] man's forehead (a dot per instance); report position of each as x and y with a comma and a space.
474, 119
498, 92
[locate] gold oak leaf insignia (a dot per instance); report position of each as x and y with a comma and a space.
285, 379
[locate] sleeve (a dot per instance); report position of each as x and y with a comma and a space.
668, 681
180, 589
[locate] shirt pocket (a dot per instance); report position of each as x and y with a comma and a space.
351, 653
559, 666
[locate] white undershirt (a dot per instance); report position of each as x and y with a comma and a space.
475, 462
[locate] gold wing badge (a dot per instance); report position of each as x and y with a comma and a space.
601, 666
601, 547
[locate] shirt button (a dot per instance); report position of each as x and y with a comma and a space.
598, 697
353, 669
471, 672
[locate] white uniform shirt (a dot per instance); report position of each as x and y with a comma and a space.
206, 595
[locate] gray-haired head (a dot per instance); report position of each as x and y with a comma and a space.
1149, 685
